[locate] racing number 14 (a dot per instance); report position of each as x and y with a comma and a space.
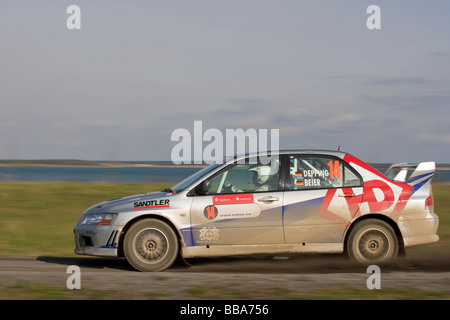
334, 169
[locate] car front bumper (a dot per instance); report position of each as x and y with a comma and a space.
96, 240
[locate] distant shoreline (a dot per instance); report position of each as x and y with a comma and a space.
68, 163
101, 166
94, 164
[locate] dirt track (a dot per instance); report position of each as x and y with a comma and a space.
262, 277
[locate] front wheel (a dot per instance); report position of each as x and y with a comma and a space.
150, 245
372, 241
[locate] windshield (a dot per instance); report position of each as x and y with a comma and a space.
191, 179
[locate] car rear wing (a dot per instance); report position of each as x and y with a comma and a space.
412, 173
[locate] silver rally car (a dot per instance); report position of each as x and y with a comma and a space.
304, 201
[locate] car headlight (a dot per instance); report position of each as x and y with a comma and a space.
102, 219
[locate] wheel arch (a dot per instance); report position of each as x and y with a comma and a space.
381, 217
142, 217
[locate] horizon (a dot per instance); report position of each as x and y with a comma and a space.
5, 161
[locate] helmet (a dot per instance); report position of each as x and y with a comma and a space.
260, 174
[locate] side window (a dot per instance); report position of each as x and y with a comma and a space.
251, 176
351, 179
315, 172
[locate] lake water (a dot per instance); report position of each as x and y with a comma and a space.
97, 174
170, 175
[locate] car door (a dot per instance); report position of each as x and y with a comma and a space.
242, 205
322, 195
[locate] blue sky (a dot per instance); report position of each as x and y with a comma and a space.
138, 70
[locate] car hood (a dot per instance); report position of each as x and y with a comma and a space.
129, 202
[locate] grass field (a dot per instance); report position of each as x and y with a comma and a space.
37, 218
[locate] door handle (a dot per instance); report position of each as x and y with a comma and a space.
268, 199
349, 195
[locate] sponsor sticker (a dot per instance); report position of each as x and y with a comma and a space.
149, 204
233, 199
209, 234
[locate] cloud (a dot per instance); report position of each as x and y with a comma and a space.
441, 54
443, 138
339, 120
408, 100
377, 80
397, 81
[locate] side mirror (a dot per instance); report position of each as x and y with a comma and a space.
201, 189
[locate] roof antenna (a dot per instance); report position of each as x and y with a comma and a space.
339, 148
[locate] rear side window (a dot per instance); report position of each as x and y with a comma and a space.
351, 178
320, 172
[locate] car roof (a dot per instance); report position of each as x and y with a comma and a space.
339, 154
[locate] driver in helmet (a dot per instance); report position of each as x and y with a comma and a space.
262, 178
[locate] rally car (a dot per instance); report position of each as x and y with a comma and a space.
303, 201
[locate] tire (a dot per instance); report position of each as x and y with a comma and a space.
151, 245
372, 241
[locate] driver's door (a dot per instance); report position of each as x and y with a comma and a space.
238, 208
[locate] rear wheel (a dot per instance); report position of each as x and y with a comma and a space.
150, 245
372, 241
